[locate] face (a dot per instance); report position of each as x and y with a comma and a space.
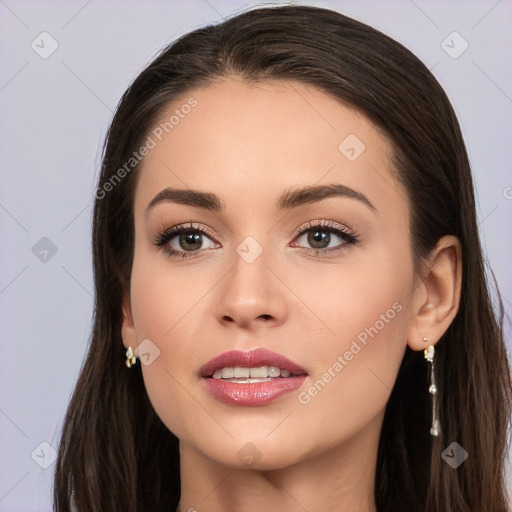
326, 281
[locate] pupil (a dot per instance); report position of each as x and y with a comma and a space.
191, 239
319, 239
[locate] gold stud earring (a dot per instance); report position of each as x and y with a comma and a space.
131, 359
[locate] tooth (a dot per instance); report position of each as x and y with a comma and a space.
274, 371
228, 373
240, 371
248, 381
259, 372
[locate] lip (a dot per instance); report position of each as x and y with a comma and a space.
250, 359
256, 393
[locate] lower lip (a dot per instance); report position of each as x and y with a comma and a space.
256, 393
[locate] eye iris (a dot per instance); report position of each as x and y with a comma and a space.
191, 238
319, 237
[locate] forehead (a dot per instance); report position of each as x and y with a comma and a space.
255, 140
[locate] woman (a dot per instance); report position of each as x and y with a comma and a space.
291, 304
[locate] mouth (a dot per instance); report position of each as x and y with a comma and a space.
260, 364
251, 375
250, 378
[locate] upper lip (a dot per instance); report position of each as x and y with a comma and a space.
250, 359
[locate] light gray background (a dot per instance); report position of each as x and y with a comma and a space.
54, 116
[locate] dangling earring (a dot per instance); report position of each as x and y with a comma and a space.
429, 356
131, 359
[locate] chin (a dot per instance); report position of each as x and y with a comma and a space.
245, 452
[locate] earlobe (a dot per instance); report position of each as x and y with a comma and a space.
441, 286
128, 332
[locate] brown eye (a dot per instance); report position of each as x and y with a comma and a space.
325, 237
319, 238
183, 241
190, 241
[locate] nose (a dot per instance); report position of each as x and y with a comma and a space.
252, 294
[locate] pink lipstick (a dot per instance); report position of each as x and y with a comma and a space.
251, 378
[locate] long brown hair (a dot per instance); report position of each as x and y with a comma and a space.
115, 453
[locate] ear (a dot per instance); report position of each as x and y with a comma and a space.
437, 298
128, 331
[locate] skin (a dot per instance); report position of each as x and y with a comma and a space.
247, 144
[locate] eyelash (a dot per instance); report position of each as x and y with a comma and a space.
351, 237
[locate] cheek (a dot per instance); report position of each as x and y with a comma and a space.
358, 371
364, 307
166, 305
164, 296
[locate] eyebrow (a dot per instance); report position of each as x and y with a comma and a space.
289, 198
